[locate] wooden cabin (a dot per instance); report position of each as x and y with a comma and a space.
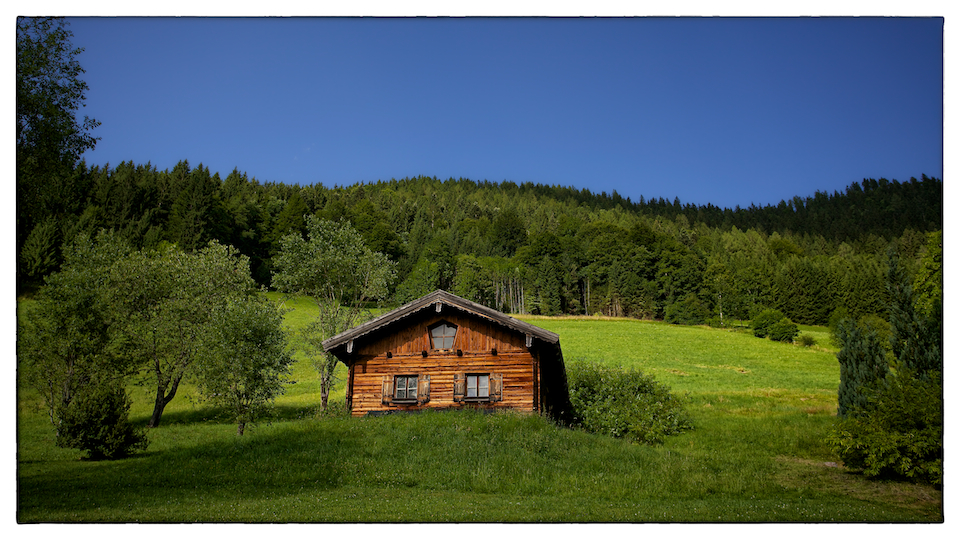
444, 352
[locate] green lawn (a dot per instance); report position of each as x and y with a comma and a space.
761, 409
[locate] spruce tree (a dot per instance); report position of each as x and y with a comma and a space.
916, 340
97, 422
892, 419
549, 284
863, 363
915, 343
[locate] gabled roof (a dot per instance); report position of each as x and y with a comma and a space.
430, 301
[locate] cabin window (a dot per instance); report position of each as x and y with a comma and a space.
442, 335
477, 387
406, 388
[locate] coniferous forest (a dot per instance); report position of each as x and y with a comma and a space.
526, 248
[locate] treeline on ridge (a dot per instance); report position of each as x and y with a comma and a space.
525, 248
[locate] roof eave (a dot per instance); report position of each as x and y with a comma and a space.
426, 301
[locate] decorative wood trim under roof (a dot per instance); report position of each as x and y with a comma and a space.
437, 300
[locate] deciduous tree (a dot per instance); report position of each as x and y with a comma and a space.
68, 352
50, 138
165, 300
928, 282
50, 92
245, 361
341, 274
64, 339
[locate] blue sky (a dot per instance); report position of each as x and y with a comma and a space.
728, 111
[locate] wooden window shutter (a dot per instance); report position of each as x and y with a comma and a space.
423, 389
496, 386
459, 386
387, 398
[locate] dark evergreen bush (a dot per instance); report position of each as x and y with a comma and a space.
863, 363
783, 330
898, 431
806, 340
95, 421
891, 398
624, 403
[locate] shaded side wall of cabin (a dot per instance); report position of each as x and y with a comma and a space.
475, 338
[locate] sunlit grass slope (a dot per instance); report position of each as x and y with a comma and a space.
708, 364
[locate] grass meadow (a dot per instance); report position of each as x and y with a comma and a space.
758, 453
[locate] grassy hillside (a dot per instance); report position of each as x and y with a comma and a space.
761, 410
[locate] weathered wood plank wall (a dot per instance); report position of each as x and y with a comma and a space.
472, 335
475, 338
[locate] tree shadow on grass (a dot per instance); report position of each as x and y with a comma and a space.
189, 483
219, 415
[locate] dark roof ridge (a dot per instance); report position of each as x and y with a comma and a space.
431, 299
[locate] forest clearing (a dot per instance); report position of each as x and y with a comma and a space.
761, 411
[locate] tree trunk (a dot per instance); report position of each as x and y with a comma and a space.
324, 392
161, 402
158, 406
240, 427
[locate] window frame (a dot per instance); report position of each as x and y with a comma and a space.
391, 389
476, 387
494, 387
408, 379
447, 325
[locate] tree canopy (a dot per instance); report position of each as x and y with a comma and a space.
166, 301
50, 92
531, 248
50, 140
333, 266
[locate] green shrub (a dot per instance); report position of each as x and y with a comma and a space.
624, 403
764, 320
783, 330
899, 432
806, 340
95, 421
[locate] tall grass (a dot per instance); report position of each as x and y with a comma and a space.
761, 411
